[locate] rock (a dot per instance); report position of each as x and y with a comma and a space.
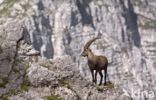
59, 28
65, 81
38, 75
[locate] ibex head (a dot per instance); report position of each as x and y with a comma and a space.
86, 47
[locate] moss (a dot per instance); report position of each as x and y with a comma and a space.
8, 5
135, 2
110, 85
5, 97
150, 23
1, 50
53, 97
50, 62
5, 81
53, 70
65, 82
150, 44
124, 49
24, 86
26, 6
100, 45
153, 51
43, 65
4, 11
15, 70
27, 66
9, 59
99, 88
13, 92
17, 47
70, 87
16, 61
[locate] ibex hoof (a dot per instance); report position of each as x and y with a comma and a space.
100, 83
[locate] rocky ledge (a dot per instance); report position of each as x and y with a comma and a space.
25, 75
60, 79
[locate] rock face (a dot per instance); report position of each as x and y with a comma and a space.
14, 56
62, 27
63, 77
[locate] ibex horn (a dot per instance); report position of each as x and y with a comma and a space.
90, 42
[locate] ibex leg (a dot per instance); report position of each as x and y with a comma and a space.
101, 75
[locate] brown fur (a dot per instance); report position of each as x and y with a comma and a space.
97, 63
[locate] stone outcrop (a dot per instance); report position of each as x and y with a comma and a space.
61, 27
61, 77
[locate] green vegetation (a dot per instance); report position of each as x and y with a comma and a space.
26, 6
70, 87
17, 47
100, 45
9, 58
124, 49
24, 86
27, 66
8, 4
135, 2
16, 61
150, 44
15, 70
104, 4
5, 81
50, 62
110, 85
154, 51
43, 65
150, 23
53, 97
54, 69
1, 50
99, 88
5, 97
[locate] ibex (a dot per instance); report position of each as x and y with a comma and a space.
97, 63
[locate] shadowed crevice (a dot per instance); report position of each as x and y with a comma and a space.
131, 22
83, 6
41, 35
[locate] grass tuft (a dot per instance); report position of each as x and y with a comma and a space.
53, 97
99, 88
27, 66
70, 87
5, 97
1, 50
5, 81
8, 4
111, 85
